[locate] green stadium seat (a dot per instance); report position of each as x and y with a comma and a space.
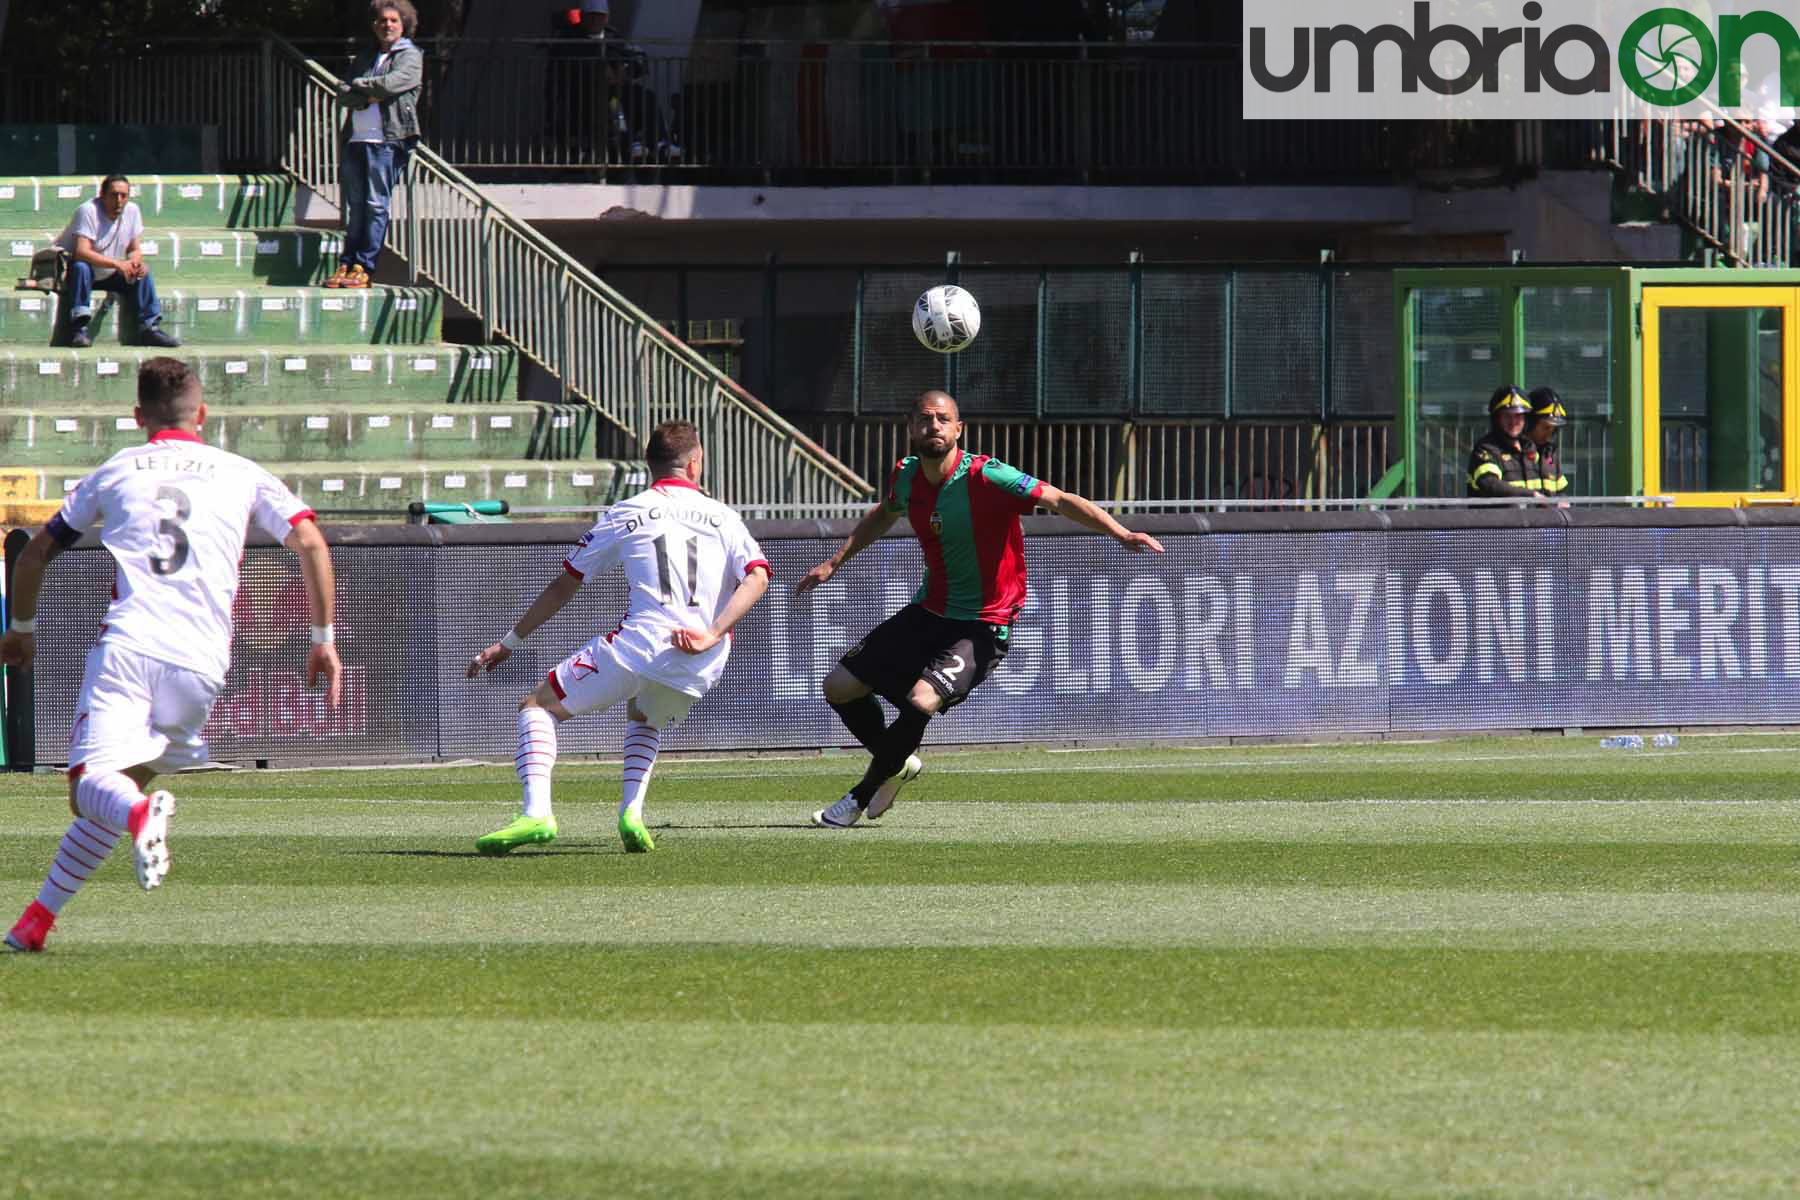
351, 396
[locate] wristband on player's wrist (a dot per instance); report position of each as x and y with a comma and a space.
512, 640
323, 635
22, 625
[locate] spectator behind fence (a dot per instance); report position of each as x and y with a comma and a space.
102, 243
1543, 470
1497, 464
636, 128
575, 96
380, 129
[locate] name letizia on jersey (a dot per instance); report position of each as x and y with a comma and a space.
176, 466
699, 515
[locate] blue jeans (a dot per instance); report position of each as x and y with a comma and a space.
140, 295
368, 173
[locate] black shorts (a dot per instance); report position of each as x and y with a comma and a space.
954, 657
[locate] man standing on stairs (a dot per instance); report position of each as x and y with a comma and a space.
102, 242
380, 129
173, 514
693, 571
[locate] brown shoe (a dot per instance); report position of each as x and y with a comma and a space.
357, 278
337, 280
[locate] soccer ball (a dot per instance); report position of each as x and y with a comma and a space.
946, 319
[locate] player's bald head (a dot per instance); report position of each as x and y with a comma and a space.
168, 393
932, 399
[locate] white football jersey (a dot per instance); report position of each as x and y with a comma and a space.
684, 554
174, 513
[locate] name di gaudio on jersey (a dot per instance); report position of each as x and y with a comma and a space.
1506, 60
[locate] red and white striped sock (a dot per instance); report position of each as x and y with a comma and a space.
536, 755
641, 745
83, 849
107, 798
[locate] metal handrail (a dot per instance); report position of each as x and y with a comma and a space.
605, 350
1751, 223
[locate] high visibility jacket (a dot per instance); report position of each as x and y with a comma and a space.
1543, 469
1497, 466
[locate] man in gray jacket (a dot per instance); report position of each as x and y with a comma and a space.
380, 129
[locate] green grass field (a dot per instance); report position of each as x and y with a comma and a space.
1519, 968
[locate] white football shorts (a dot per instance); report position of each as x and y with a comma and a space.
137, 711
592, 680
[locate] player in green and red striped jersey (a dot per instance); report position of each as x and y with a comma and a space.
929, 656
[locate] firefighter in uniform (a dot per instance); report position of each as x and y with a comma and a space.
1497, 465
1544, 474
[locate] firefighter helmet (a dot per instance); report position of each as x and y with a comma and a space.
1546, 405
1508, 398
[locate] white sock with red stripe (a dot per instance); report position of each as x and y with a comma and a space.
641, 745
83, 849
537, 754
107, 797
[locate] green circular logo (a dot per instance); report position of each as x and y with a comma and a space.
1667, 57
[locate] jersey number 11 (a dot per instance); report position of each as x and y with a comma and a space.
663, 571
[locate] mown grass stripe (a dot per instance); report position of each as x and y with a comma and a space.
1005, 1108
903, 915
873, 859
1179, 988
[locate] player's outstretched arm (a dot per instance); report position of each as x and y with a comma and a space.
550, 601
19, 646
322, 662
874, 523
695, 641
1083, 511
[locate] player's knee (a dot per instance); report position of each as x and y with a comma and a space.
841, 687
925, 698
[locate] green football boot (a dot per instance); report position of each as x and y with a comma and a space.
524, 831
637, 839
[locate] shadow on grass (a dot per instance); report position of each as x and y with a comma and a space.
475, 853
746, 825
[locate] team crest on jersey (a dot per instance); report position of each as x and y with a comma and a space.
937, 521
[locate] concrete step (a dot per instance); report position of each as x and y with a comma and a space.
222, 315
104, 378
52, 436
390, 486
188, 201
178, 257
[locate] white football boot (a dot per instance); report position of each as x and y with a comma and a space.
150, 841
841, 815
883, 799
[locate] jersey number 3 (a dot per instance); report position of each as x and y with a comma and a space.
663, 571
170, 528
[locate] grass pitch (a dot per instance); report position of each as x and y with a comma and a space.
1474, 968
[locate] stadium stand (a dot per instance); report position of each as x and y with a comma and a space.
352, 397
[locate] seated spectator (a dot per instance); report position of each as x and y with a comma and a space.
102, 242
637, 127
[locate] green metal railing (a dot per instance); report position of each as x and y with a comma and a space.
605, 351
